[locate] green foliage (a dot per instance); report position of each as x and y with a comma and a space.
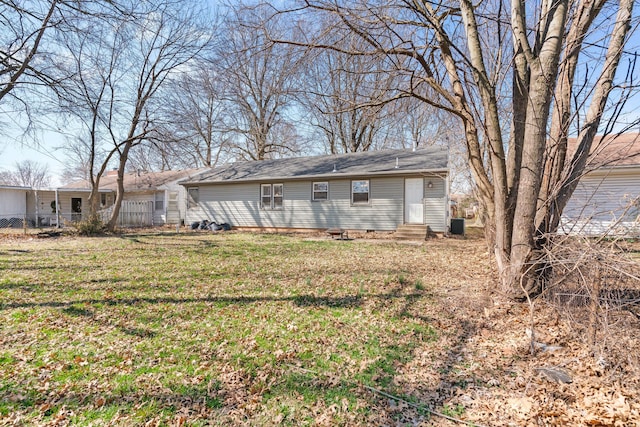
453, 411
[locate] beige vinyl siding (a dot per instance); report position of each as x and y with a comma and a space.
239, 205
603, 203
435, 204
45, 197
64, 199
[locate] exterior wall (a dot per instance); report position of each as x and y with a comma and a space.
239, 205
436, 201
13, 207
64, 205
604, 203
13, 202
172, 206
39, 206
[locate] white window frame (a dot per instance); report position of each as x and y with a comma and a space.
265, 197
368, 192
314, 192
277, 200
158, 201
268, 198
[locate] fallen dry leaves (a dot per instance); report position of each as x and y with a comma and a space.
250, 329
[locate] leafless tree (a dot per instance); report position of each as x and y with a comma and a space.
258, 79
473, 60
23, 26
27, 173
191, 131
346, 97
118, 67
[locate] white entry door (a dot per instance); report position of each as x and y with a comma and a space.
413, 205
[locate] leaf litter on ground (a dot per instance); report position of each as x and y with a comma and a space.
200, 329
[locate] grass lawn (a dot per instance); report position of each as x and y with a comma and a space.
247, 329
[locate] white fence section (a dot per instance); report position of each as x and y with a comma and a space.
133, 213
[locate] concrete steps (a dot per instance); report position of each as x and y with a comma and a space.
411, 232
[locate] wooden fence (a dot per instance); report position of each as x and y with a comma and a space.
133, 213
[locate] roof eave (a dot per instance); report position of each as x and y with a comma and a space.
331, 175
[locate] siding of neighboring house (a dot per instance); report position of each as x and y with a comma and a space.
64, 200
603, 203
14, 202
239, 205
13, 207
173, 209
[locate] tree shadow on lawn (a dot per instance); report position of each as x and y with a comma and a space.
381, 373
348, 301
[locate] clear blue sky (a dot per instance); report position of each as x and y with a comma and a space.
13, 150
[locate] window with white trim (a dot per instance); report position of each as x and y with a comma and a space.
271, 196
278, 196
320, 191
265, 196
159, 201
360, 192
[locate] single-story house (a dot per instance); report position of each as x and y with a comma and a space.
13, 205
607, 199
150, 198
375, 190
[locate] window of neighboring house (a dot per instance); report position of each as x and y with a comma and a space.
271, 196
103, 199
160, 201
193, 197
360, 192
320, 191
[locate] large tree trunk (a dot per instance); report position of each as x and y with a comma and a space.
124, 156
543, 61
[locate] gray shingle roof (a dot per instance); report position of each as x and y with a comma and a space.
135, 181
370, 163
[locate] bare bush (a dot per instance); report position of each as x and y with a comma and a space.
594, 284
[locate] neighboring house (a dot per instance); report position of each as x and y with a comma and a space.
13, 205
150, 198
376, 190
607, 199
61, 205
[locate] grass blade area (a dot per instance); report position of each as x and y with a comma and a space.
267, 329
204, 328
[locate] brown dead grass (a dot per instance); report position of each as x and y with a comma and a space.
479, 369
